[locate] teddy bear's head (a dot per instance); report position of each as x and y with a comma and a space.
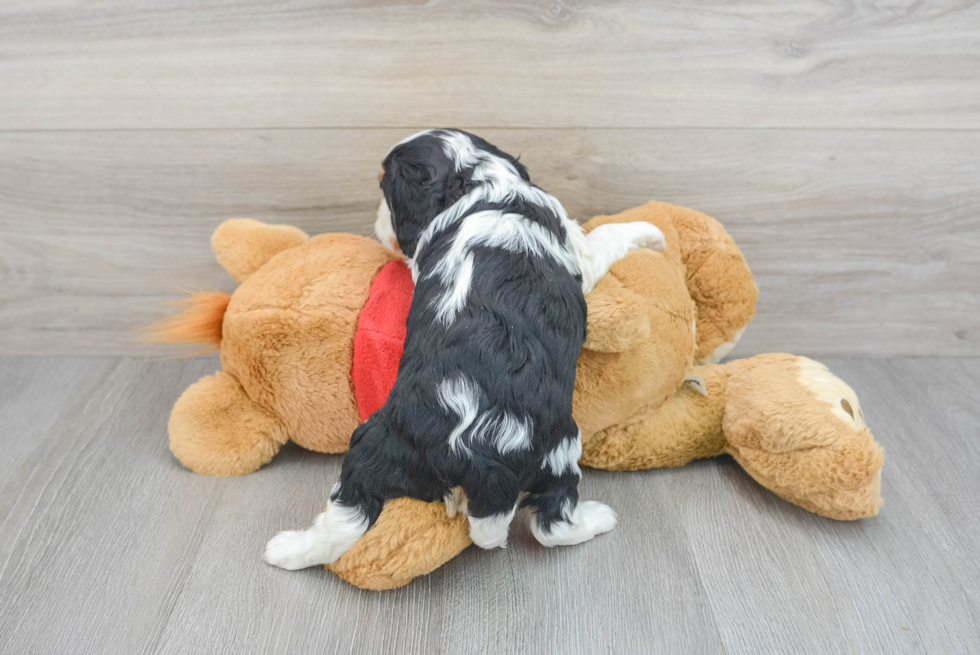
799, 430
657, 313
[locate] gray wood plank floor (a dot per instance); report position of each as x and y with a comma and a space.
108, 545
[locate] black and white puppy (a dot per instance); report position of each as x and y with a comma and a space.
483, 398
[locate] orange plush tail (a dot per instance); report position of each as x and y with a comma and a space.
198, 322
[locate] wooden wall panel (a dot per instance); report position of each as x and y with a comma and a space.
138, 64
863, 242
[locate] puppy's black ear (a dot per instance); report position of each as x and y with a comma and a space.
412, 172
419, 162
414, 183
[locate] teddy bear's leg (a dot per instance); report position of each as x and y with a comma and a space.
216, 429
685, 427
409, 539
799, 430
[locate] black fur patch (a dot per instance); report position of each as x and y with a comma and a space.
517, 339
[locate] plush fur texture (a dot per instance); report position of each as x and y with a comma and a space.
288, 335
227, 432
812, 454
777, 420
267, 240
410, 538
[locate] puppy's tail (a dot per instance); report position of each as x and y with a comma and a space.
199, 321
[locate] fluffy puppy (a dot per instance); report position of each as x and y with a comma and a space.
483, 398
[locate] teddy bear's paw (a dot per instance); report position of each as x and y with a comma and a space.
217, 429
589, 519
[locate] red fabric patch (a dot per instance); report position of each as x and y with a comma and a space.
380, 337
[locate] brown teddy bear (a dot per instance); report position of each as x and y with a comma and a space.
310, 343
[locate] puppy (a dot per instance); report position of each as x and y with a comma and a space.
483, 398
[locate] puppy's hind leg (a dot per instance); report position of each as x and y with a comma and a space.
491, 493
355, 503
559, 519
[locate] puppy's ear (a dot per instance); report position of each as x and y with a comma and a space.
414, 184
418, 162
413, 172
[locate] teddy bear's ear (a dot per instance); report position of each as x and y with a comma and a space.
243, 245
617, 320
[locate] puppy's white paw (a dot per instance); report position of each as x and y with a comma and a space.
595, 517
590, 518
491, 531
646, 235
291, 550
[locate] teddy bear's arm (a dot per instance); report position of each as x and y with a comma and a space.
617, 320
243, 245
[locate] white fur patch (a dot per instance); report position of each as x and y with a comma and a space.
461, 396
383, 227
587, 520
609, 243
333, 533
500, 177
460, 149
505, 431
495, 229
491, 531
565, 456
456, 502
452, 301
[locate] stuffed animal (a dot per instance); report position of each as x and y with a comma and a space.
311, 339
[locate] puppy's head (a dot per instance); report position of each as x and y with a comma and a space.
427, 173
